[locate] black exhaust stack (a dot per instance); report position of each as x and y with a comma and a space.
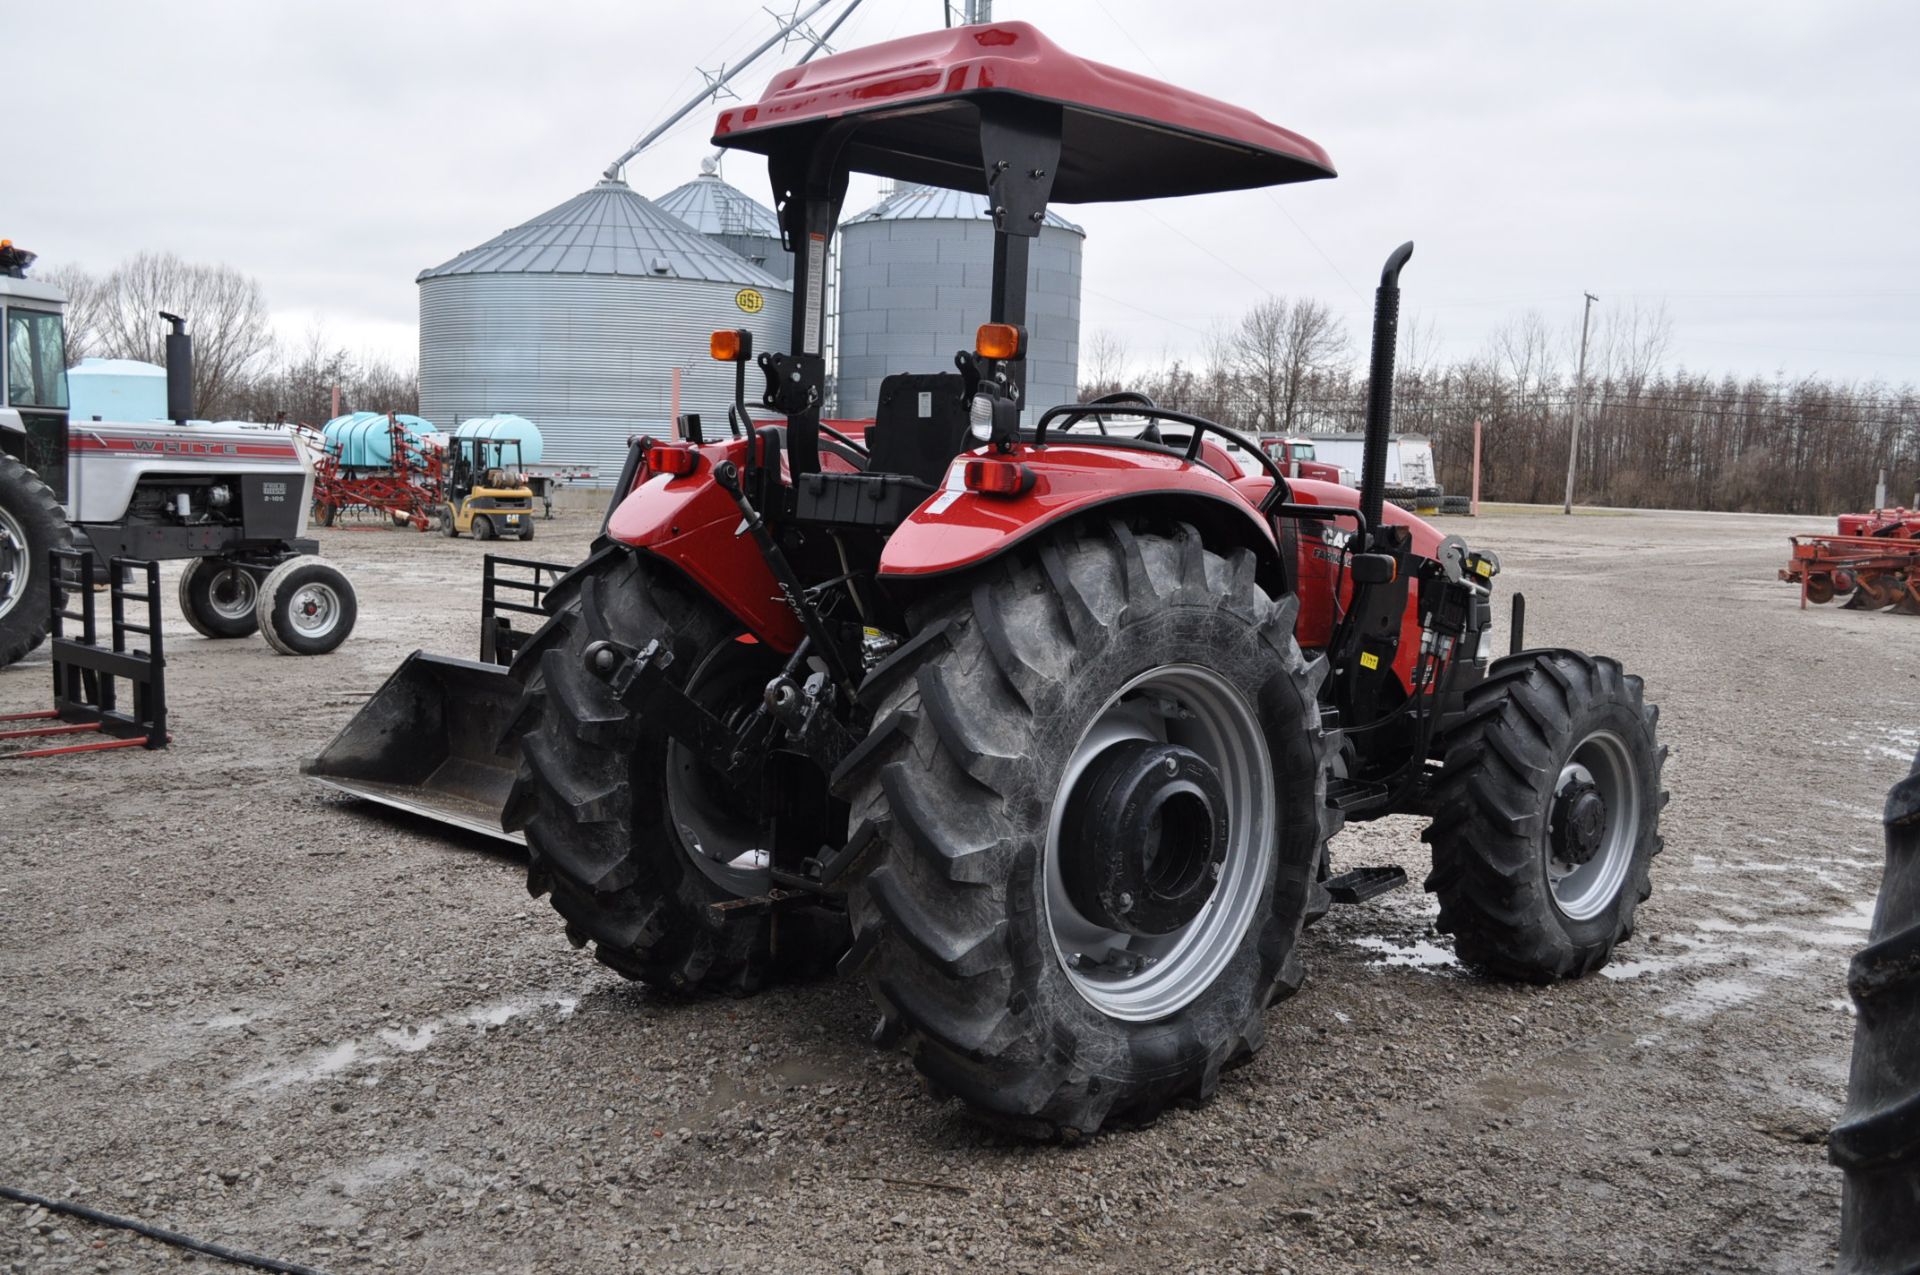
1386, 335
179, 370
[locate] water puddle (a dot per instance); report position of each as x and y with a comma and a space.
334, 1060
1414, 954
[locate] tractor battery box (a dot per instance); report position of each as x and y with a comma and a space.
858, 500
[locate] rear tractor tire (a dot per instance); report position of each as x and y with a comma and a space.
1097, 790
1877, 1142
307, 607
31, 527
632, 838
1547, 816
220, 599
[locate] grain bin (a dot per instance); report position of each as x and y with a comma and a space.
916, 280
726, 213
577, 318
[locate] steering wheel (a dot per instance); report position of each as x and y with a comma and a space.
1114, 399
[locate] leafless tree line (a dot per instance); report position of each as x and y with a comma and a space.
240, 370
1652, 435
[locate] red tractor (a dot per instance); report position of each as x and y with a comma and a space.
1040, 725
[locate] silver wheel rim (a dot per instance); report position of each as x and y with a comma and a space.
1583, 891
15, 562
1140, 979
314, 610
232, 594
732, 853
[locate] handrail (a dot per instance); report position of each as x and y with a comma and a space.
1199, 425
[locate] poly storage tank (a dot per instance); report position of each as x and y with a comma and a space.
916, 280
736, 219
577, 318
507, 426
364, 440
116, 390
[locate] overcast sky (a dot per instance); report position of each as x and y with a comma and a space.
1750, 164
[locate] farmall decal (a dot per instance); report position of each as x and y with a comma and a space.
1333, 545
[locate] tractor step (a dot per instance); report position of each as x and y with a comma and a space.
1362, 884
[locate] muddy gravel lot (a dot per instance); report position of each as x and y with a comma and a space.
244, 1008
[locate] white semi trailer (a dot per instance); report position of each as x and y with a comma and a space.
232, 498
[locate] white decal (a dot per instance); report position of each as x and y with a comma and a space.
955, 487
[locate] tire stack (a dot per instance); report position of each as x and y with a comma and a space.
1877, 1142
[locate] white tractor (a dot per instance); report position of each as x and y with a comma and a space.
232, 497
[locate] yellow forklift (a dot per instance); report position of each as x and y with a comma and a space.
487, 494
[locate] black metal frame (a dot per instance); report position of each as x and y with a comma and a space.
84, 673
499, 640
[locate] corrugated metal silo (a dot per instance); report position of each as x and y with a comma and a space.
916, 274
577, 318
724, 212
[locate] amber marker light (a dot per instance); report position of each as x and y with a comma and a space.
999, 341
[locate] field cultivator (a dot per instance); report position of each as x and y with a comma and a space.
1038, 721
409, 491
1873, 562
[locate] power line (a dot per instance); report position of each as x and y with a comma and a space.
1275, 200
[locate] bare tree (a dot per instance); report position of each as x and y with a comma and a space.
1103, 364
82, 323
1523, 351
1278, 348
224, 309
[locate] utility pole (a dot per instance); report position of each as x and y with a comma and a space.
1579, 400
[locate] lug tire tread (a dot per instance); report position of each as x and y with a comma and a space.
1876, 1143
27, 495
1490, 802
645, 912
943, 931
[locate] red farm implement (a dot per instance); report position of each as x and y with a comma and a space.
409, 490
1873, 562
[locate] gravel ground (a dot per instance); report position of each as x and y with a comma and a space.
243, 1008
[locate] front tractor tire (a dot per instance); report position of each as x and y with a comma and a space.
306, 607
1547, 816
31, 527
1098, 794
631, 838
219, 599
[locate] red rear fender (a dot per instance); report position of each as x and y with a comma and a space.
957, 529
694, 524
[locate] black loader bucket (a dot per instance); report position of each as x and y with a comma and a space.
429, 742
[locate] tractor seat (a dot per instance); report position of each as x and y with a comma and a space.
919, 426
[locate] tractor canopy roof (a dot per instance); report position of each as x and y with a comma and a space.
912, 108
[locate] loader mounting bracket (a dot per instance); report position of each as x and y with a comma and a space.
1362, 884
638, 680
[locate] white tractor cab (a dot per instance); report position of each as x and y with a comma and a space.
231, 497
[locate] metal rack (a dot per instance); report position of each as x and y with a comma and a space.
86, 696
